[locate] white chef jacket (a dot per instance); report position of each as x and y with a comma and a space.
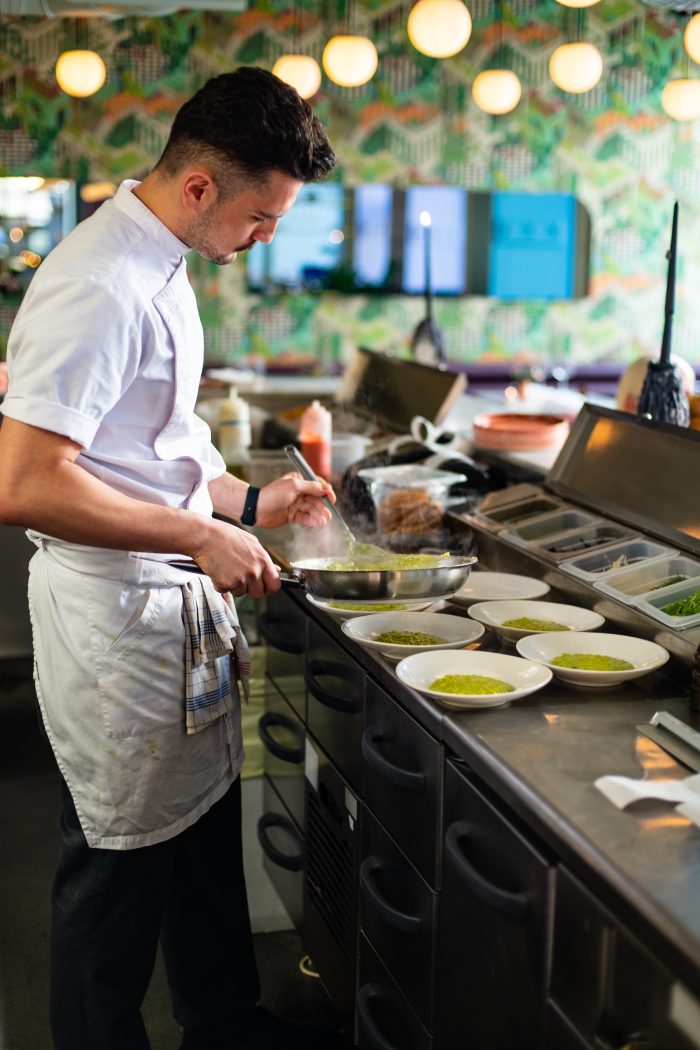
107, 349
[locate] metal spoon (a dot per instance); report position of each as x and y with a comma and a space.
358, 549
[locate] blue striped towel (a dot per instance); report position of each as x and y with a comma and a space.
212, 632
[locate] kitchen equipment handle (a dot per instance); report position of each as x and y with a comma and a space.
277, 640
402, 778
286, 754
364, 997
290, 862
346, 705
291, 583
400, 920
295, 457
513, 904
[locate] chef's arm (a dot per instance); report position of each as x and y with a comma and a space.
287, 500
43, 488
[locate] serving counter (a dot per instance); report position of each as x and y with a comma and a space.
459, 879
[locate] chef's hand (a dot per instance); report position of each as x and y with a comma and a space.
290, 500
236, 561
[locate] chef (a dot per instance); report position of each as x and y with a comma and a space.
138, 662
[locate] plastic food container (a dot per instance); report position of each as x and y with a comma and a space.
652, 603
591, 538
409, 500
654, 576
551, 525
346, 449
615, 559
515, 513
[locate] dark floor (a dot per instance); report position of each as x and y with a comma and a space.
28, 842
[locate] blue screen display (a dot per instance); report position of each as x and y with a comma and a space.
371, 252
532, 250
447, 206
308, 245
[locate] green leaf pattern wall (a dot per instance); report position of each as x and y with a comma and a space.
414, 122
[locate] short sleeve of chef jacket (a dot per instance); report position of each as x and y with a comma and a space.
73, 351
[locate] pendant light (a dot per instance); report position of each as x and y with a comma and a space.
80, 73
578, 3
349, 59
576, 67
497, 91
680, 98
302, 72
439, 28
691, 38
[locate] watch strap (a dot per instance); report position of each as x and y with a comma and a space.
250, 506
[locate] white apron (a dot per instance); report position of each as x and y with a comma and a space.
109, 669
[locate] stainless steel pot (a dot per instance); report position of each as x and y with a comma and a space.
380, 584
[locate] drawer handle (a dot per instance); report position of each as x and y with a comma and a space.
294, 755
400, 920
364, 998
276, 639
290, 862
514, 904
346, 705
403, 778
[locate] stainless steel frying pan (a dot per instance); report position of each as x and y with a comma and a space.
323, 581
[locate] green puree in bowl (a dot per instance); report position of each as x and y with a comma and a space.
392, 562
350, 607
409, 638
470, 684
526, 623
592, 662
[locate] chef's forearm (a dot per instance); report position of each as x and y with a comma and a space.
228, 495
43, 488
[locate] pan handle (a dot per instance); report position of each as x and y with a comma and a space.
291, 583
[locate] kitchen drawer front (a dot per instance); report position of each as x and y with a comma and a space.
385, 1021
282, 628
330, 885
335, 703
398, 916
607, 984
402, 777
493, 926
282, 735
282, 845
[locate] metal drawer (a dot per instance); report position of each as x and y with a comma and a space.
402, 780
283, 629
385, 1021
282, 735
335, 702
283, 853
493, 926
398, 916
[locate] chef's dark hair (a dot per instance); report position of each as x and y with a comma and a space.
246, 124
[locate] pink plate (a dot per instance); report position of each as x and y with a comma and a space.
519, 432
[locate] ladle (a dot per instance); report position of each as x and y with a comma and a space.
358, 549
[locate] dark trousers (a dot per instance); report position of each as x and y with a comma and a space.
111, 907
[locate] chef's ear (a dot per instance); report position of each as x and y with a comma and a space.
199, 189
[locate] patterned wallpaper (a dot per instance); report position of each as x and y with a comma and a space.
414, 122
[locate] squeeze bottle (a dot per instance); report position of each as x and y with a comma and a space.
315, 436
234, 434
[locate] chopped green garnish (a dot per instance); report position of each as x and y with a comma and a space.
525, 623
470, 684
409, 638
392, 562
592, 662
358, 607
684, 606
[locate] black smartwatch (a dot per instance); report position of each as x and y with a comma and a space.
250, 506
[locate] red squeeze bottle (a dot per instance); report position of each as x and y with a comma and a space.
315, 437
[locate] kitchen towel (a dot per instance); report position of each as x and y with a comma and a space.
211, 632
621, 791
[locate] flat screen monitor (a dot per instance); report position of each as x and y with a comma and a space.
308, 246
447, 208
35, 214
532, 246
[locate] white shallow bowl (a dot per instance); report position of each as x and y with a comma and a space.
574, 618
412, 605
543, 648
455, 631
499, 586
420, 670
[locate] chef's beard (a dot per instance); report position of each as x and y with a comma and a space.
200, 240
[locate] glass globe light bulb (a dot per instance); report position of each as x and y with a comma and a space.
301, 72
576, 67
80, 73
496, 91
439, 28
350, 60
